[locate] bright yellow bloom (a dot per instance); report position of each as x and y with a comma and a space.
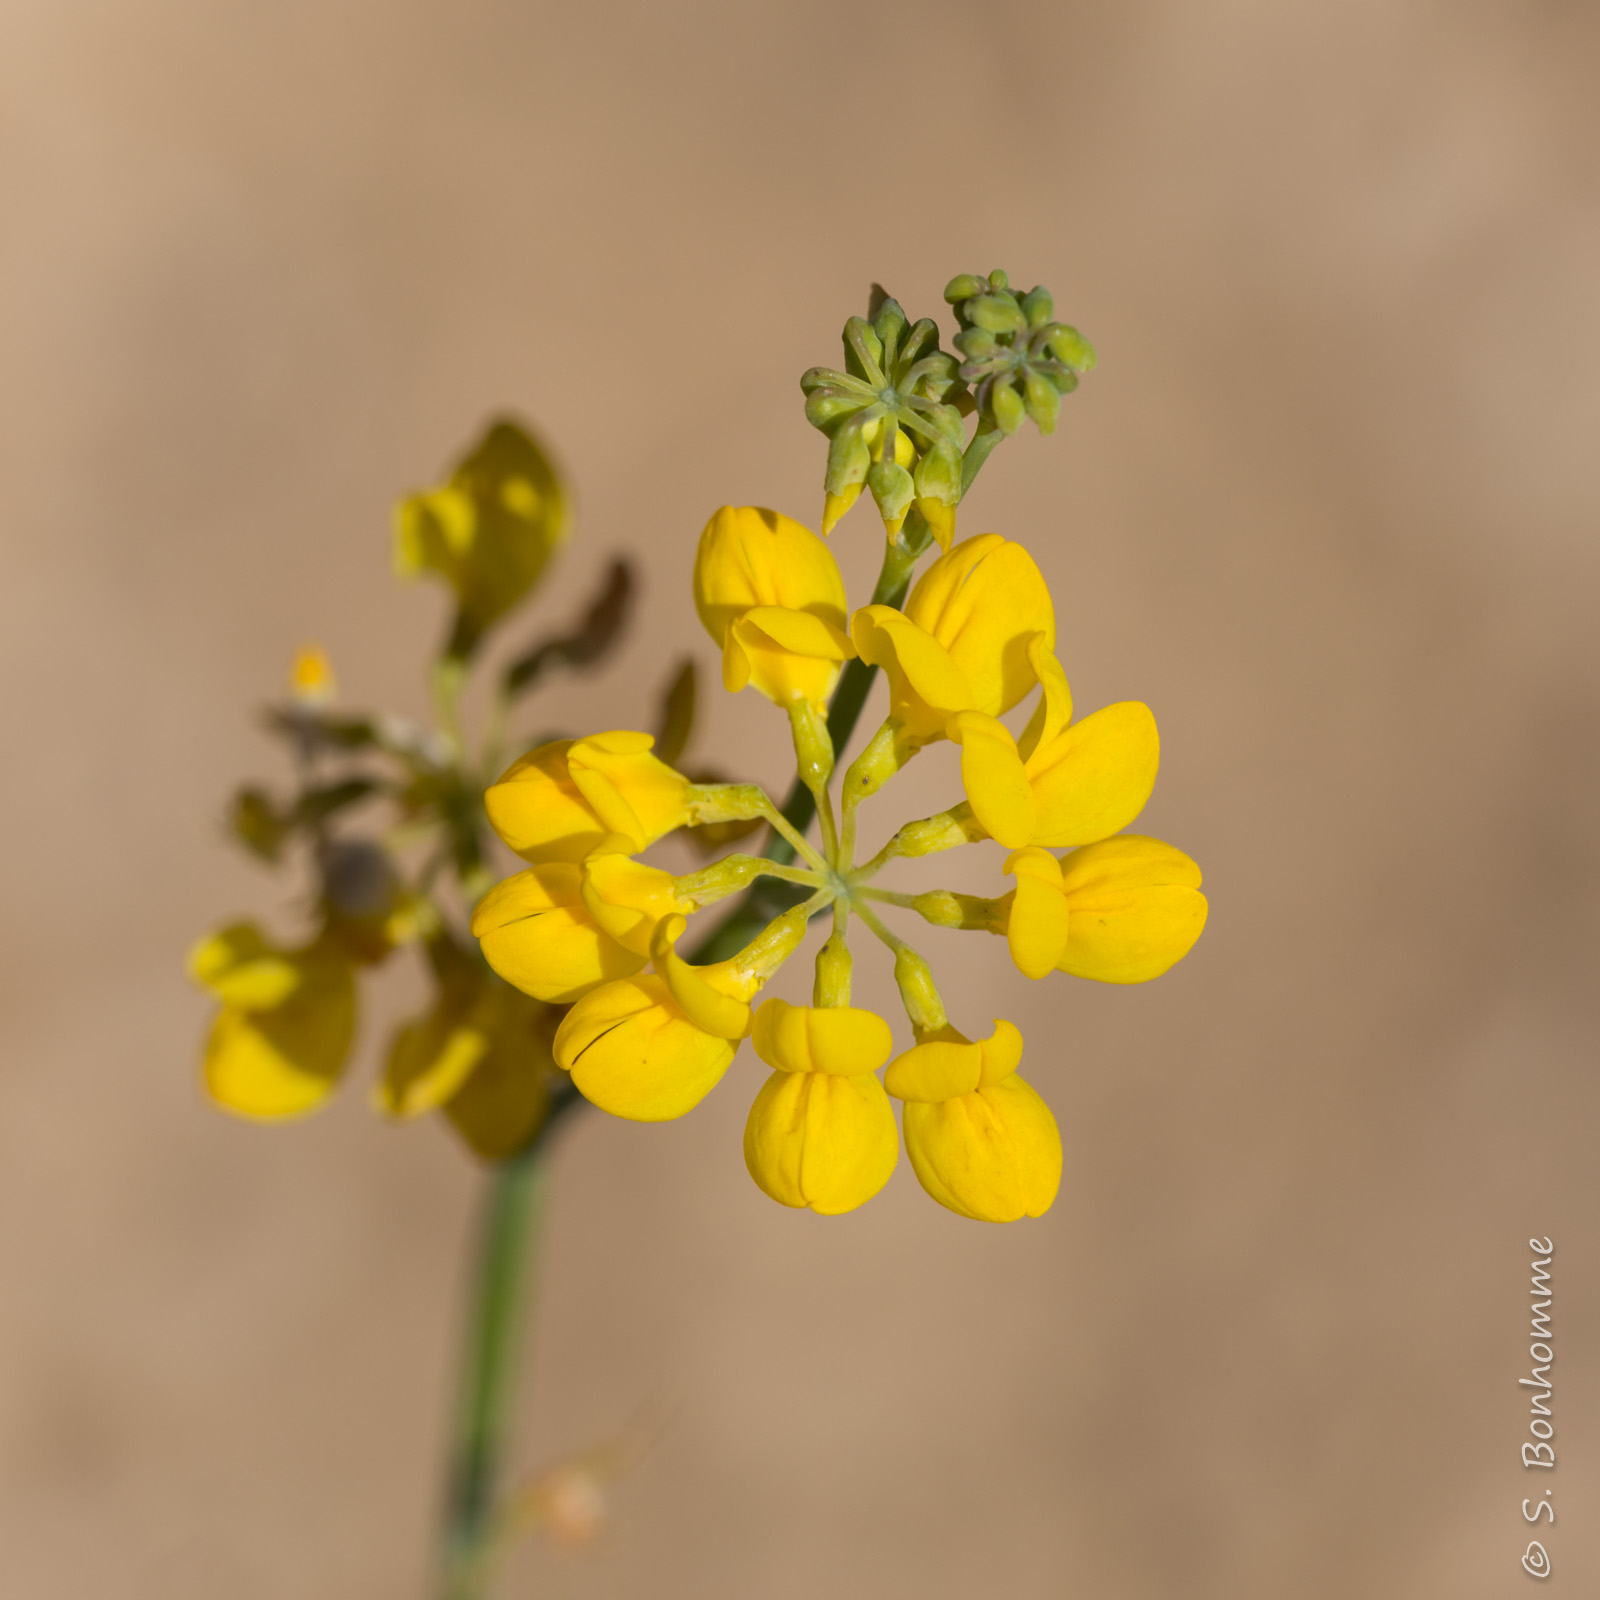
771, 597
1063, 783
961, 643
1121, 911
482, 1055
279, 1045
562, 800
981, 1140
821, 1132
561, 929
491, 529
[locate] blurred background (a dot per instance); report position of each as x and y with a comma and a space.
1328, 506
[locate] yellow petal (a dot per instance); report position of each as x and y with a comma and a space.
631, 792
926, 687
241, 967
947, 1064
984, 602
627, 899
1094, 778
842, 1040
285, 1061
540, 812
993, 777
1135, 909
752, 557
1038, 923
1054, 710
817, 1140
536, 932
429, 1059
500, 1106
633, 1052
787, 655
994, 1155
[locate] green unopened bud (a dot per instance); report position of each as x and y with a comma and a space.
1042, 401
813, 748
918, 991
950, 828
922, 338
893, 489
1037, 306
1071, 347
938, 474
863, 350
977, 344
997, 313
889, 323
848, 459
962, 287
728, 876
832, 986
1005, 406
824, 407
999, 281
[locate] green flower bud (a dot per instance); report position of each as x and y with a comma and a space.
1070, 347
1005, 406
863, 351
996, 313
1041, 399
1037, 306
889, 324
824, 407
998, 281
962, 287
893, 489
848, 459
938, 474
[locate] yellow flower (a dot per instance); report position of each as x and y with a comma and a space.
981, 1140
961, 643
482, 1055
1121, 911
821, 1132
280, 1043
491, 529
562, 800
561, 929
1063, 783
770, 596
311, 679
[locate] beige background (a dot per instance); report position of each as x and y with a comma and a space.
1328, 505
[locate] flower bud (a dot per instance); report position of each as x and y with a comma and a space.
892, 488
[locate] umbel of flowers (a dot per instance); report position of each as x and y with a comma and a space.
587, 924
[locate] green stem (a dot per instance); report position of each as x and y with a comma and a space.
489, 1369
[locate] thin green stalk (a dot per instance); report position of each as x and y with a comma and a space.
503, 1271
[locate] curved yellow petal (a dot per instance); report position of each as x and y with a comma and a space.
539, 811
752, 557
429, 1059
1054, 710
992, 774
633, 1052
815, 1139
945, 1065
1094, 778
841, 1040
1038, 923
627, 899
1135, 909
984, 602
993, 1155
632, 792
283, 1062
926, 687
787, 655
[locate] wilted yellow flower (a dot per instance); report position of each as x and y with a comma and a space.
562, 800
770, 596
1121, 911
981, 1141
961, 643
490, 530
821, 1132
280, 1043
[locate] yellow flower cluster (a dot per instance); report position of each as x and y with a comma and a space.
649, 1034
